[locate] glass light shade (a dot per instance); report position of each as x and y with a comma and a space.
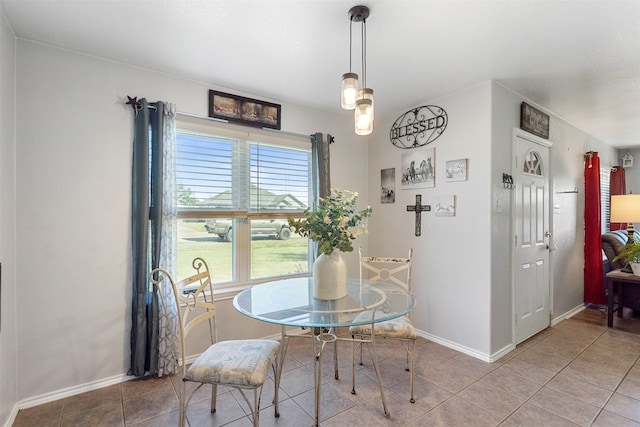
364, 116
625, 208
367, 93
349, 91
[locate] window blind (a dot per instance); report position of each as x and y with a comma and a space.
225, 171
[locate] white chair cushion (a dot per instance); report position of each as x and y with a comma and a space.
400, 327
242, 363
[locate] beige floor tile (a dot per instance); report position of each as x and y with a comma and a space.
543, 359
609, 419
624, 406
511, 383
332, 401
354, 417
460, 412
630, 388
529, 371
149, 404
449, 379
565, 406
530, 415
92, 399
593, 376
494, 400
109, 414
291, 415
401, 412
469, 366
45, 415
427, 394
579, 389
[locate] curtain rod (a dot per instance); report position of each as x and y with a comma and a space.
282, 132
134, 104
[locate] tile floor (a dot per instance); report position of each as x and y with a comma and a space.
577, 373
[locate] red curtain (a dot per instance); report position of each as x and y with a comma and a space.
617, 186
593, 269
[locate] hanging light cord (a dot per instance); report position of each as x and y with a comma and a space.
364, 53
350, 42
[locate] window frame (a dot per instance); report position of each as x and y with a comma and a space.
241, 242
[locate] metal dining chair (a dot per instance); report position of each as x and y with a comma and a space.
240, 364
398, 272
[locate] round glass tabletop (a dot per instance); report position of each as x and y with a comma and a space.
290, 302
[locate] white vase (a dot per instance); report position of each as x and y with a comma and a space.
635, 267
330, 276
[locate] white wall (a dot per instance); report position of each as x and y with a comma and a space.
567, 219
451, 275
632, 174
462, 274
74, 136
8, 362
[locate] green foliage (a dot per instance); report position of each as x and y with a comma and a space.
335, 224
185, 197
631, 252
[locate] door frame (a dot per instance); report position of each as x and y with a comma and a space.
519, 133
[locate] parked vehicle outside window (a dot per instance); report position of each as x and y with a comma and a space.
275, 228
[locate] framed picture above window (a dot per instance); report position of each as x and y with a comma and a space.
246, 111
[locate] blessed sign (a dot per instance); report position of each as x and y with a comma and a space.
418, 126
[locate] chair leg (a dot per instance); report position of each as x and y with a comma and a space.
214, 396
353, 365
335, 360
276, 386
183, 405
256, 406
413, 370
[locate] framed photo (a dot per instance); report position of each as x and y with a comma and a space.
445, 205
247, 111
456, 170
388, 185
534, 121
419, 169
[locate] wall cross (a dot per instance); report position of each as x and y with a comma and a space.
418, 208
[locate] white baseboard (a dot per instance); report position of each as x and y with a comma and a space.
557, 319
457, 347
12, 416
72, 391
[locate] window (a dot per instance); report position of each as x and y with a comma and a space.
236, 189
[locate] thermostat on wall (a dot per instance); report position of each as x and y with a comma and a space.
627, 161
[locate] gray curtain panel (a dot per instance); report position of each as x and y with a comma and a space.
320, 173
146, 230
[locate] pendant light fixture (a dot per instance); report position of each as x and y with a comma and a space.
351, 96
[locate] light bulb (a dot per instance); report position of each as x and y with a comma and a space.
363, 116
349, 91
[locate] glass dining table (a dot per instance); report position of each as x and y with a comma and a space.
290, 303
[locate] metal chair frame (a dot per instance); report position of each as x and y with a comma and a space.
194, 306
386, 270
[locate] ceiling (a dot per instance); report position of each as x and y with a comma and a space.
578, 59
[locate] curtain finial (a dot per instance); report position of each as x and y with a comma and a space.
134, 104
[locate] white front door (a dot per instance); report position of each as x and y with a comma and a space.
531, 235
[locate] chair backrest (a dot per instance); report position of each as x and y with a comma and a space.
189, 301
394, 270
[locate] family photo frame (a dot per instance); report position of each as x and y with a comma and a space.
247, 111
